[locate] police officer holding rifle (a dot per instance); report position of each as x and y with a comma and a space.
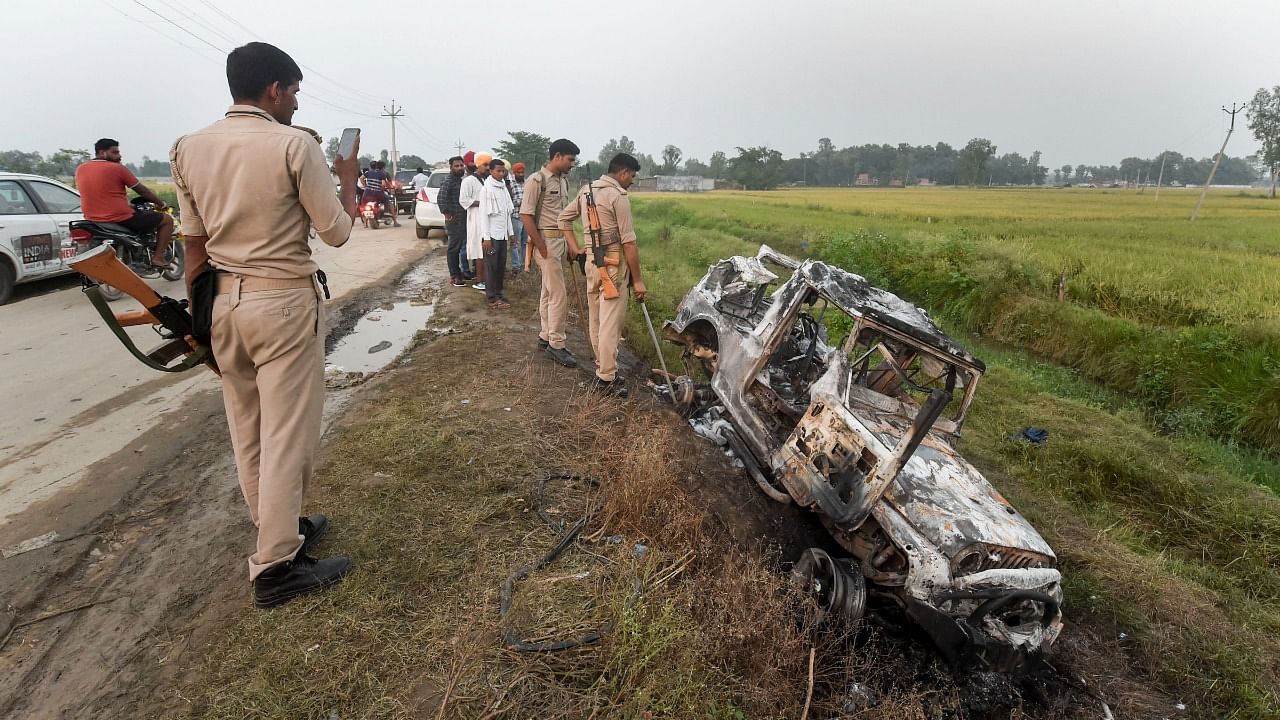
612, 262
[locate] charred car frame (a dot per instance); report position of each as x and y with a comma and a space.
862, 431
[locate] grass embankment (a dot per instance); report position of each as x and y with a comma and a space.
1168, 539
1183, 317
433, 492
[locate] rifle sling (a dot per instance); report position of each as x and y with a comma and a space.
100, 304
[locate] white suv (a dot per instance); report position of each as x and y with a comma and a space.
34, 241
426, 213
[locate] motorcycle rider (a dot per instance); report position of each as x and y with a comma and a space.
376, 182
103, 182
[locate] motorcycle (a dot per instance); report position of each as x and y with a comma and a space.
374, 213
134, 250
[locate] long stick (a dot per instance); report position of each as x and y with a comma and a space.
582, 313
658, 349
809, 696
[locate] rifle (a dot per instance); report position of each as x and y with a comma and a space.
170, 317
597, 248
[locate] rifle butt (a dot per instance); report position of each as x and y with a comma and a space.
101, 265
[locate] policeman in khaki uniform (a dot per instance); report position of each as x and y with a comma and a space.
545, 194
250, 187
618, 237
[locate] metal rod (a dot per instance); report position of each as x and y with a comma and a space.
658, 349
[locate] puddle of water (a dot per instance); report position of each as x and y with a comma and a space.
379, 337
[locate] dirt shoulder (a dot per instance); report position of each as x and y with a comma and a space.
148, 561
437, 481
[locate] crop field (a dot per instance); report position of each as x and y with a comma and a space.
1157, 376
1180, 316
1125, 253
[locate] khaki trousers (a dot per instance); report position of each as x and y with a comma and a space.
607, 320
553, 303
270, 348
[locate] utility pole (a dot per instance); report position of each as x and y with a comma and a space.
459, 145
1163, 156
393, 113
1218, 160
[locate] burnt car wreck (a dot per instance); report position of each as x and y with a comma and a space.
847, 400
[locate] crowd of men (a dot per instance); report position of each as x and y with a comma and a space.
252, 188
492, 217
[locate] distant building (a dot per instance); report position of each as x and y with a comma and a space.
924, 182
865, 180
674, 183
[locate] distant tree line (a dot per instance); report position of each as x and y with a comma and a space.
63, 163
977, 163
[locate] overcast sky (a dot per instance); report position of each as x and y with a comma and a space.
1083, 81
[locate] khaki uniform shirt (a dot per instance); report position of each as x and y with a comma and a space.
616, 227
553, 191
254, 187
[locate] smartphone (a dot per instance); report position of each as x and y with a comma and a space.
348, 142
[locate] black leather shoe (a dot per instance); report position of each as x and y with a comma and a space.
562, 356
299, 576
312, 528
615, 387
543, 344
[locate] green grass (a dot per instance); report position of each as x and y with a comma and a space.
1181, 317
1169, 536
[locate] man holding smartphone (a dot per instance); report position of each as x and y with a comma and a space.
268, 314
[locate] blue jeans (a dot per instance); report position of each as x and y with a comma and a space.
457, 249
518, 247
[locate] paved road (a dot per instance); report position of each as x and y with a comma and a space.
70, 395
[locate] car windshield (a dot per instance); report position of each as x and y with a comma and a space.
436, 179
406, 175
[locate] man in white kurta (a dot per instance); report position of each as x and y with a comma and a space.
496, 207
469, 198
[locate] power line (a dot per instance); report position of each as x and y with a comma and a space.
424, 143
356, 91
228, 18
151, 25
149, 9
191, 15
311, 96
434, 138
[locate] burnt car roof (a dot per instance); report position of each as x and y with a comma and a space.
855, 295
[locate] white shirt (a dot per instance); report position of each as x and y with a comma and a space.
470, 192
420, 181
496, 205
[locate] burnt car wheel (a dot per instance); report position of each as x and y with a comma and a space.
837, 586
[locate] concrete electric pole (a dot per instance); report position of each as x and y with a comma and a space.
1218, 160
393, 113
1163, 156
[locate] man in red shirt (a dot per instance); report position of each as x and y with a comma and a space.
103, 183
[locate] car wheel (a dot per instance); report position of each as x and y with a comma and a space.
837, 585
7, 280
421, 232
